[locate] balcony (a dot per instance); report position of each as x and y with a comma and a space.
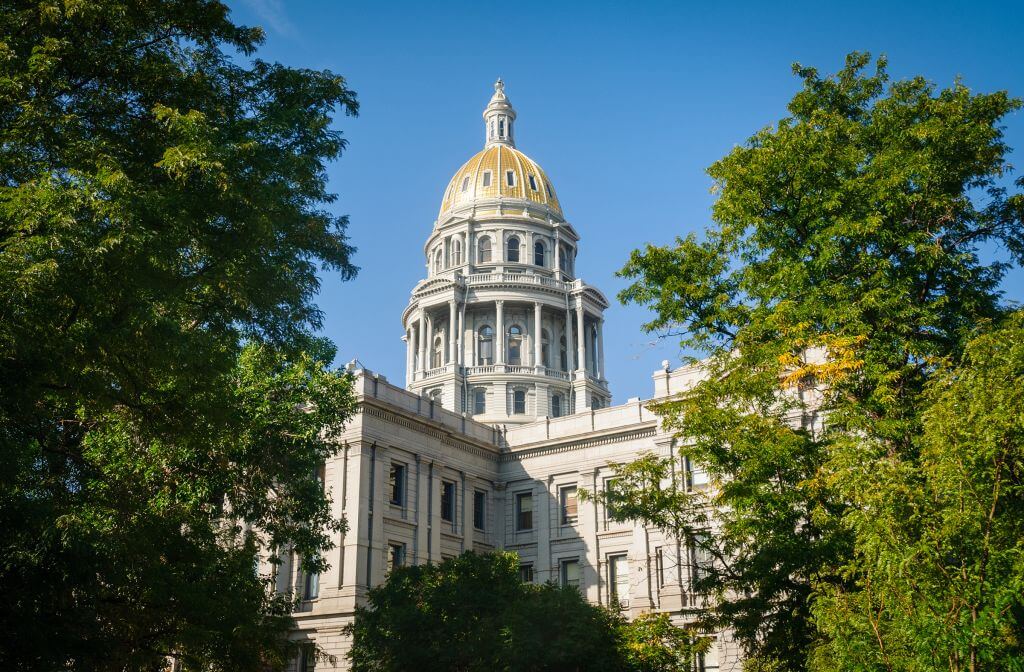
513, 369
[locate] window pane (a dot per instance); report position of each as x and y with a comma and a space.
513, 249
397, 482
571, 573
479, 402
568, 499
533, 183
447, 501
524, 511
556, 406
538, 254
479, 509
526, 573
618, 578
518, 400
487, 178
510, 178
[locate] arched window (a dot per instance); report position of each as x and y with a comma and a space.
485, 346
556, 406
563, 354
438, 260
545, 348
515, 345
538, 253
513, 249
483, 250
479, 401
518, 402
563, 259
456, 252
437, 354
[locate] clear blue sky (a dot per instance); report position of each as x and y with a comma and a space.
624, 104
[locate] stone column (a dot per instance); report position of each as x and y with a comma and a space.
543, 511
557, 257
408, 338
600, 348
537, 330
581, 352
499, 332
569, 352
452, 331
423, 343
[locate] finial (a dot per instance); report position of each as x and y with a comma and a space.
499, 86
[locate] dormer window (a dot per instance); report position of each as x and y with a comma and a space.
465, 183
510, 178
487, 178
533, 183
547, 187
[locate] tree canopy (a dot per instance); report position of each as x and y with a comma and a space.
840, 273
163, 219
474, 613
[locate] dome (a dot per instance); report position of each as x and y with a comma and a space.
500, 171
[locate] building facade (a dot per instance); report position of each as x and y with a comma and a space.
505, 415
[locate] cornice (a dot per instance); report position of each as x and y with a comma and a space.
446, 435
554, 446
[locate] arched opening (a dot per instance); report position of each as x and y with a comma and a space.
515, 345
513, 249
485, 346
437, 353
563, 354
545, 348
564, 262
456, 252
539, 254
438, 260
483, 250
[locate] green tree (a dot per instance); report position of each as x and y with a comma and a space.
651, 643
473, 613
937, 578
841, 266
162, 223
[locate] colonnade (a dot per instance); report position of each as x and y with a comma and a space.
423, 330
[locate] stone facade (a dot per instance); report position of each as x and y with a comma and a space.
505, 415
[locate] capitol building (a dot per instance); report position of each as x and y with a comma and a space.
504, 415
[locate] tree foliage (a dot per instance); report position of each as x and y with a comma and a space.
938, 571
162, 223
474, 613
841, 269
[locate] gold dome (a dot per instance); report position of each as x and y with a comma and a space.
500, 171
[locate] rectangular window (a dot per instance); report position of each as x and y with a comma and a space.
567, 499
701, 558
524, 511
609, 506
696, 475
479, 509
487, 178
465, 183
396, 556
396, 482
480, 400
618, 579
448, 501
510, 178
708, 661
570, 573
533, 183
526, 573
307, 659
518, 402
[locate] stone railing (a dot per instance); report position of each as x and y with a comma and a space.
520, 279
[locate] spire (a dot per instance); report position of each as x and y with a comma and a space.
498, 118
